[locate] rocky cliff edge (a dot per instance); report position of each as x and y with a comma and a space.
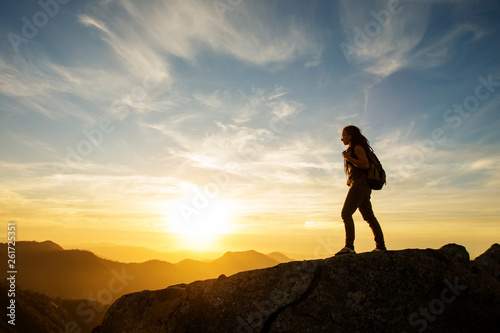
410, 290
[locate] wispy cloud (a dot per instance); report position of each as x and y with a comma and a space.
163, 26
382, 47
134, 53
385, 37
245, 124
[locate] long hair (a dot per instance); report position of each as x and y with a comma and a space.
357, 139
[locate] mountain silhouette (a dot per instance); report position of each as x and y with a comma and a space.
79, 274
32, 246
127, 253
243, 261
279, 257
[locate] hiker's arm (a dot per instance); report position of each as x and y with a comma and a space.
362, 161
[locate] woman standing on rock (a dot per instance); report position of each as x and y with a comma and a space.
358, 196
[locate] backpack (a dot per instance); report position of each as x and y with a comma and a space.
375, 174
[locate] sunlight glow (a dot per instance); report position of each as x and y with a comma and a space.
200, 220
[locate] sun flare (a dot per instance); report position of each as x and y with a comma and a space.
199, 221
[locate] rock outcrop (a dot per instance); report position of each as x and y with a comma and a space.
395, 291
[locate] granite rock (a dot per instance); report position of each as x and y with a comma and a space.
411, 290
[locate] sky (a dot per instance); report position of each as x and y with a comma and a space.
215, 125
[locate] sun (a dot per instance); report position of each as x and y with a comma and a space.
199, 221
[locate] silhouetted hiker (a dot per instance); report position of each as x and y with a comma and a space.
358, 196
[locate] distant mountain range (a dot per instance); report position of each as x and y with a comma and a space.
127, 253
47, 268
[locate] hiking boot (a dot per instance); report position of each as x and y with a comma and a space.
345, 250
379, 249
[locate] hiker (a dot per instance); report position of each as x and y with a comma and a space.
358, 197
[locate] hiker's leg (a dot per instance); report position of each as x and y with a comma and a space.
355, 196
366, 210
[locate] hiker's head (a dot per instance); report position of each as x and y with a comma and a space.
350, 133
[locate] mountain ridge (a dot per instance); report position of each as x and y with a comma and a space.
130, 253
74, 274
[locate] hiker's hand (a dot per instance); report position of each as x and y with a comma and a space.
346, 155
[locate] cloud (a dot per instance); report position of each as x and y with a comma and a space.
91, 21
244, 123
258, 102
31, 83
38, 84
437, 51
439, 170
383, 37
213, 100
255, 147
133, 51
35, 193
186, 28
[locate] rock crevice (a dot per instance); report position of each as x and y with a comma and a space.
314, 283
